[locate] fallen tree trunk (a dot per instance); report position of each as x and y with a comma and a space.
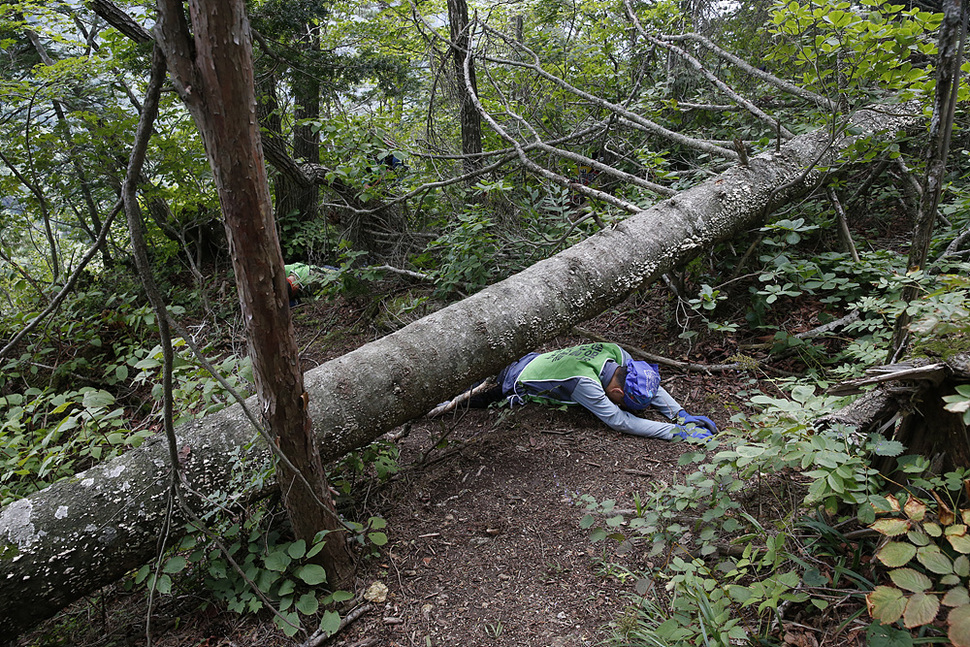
70, 539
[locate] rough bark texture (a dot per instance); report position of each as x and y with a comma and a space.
212, 71
471, 121
952, 32
911, 393
80, 534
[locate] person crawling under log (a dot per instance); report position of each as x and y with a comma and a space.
600, 377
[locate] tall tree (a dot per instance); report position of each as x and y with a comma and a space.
211, 66
471, 121
952, 35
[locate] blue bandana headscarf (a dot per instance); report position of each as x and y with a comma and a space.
642, 382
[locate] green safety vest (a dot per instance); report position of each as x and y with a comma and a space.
301, 271
550, 376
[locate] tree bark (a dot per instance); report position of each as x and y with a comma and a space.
471, 121
80, 534
911, 394
212, 71
952, 35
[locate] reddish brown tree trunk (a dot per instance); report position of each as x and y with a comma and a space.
212, 70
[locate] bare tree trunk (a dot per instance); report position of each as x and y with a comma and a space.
471, 121
212, 70
952, 35
83, 533
294, 197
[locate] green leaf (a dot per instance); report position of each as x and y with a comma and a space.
142, 573
174, 565
814, 578
956, 597
918, 538
879, 635
312, 574
883, 447
163, 584
342, 596
896, 554
278, 561
961, 566
749, 451
297, 549
289, 623
587, 522
934, 560
910, 580
377, 538
330, 623
886, 604
920, 610
98, 399
377, 523
308, 604
959, 621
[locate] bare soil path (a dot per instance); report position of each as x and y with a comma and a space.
485, 545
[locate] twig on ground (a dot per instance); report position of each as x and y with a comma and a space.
451, 405
638, 473
319, 638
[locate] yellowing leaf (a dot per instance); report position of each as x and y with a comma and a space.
891, 527
943, 511
896, 554
959, 540
920, 610
886, 604
915, 509
959, 621
956, 597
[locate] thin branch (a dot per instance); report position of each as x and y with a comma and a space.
56, 302
318, 637
625, 115
846, 234
707, 74
781, 84
532, 166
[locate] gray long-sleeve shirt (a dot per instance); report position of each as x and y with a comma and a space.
591, 394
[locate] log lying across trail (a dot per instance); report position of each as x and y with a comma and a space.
72, 538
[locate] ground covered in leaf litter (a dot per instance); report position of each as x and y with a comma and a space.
485, 545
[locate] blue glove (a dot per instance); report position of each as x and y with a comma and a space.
700, 433
700, 421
